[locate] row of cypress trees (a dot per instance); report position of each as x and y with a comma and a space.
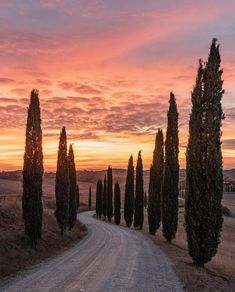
204, 179
204, 182
134, 194
66, 188
104, 198
163, 182
134, 203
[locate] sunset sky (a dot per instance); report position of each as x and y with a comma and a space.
105, 69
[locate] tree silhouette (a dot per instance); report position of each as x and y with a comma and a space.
110, 194
145, 200
104, 200
33, 172
155, 185
72, 189
117, 203
129, 194
78, 196
89, 198
99, 191
139, 195
62, 184
204, 190
171, 174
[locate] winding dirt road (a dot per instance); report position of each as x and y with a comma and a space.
110, 258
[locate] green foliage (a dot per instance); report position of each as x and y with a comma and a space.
104, 200
203, 209
171, 174
99, 193
139, 194
33, 172
72, 189
155, 185
62, 184
117, 203
110, 194
129, 194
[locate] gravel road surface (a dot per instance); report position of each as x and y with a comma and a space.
110, 258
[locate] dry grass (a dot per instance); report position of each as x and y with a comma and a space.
218, 275
15, 250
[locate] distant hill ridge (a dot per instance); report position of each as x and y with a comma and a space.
90, 175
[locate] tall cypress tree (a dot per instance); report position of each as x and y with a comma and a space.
104, 200
110, 194
203, 210
129, 194
117, 203
145, 200
171, 174
72, 189
62, 184
139, 194
99, 191
155, 185
89, 198
78, 197
33, 172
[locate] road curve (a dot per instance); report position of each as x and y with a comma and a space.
110, 258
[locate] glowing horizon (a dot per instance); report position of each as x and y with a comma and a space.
105, 69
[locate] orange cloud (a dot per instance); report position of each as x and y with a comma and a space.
105, 72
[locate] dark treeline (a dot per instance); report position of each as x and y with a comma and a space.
204, 176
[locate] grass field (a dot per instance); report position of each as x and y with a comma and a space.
16, 252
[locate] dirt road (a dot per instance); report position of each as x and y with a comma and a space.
110, 258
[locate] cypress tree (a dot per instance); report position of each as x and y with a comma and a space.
89, 198
72, 189
139, 194
99, 192
33, 172
117, 203
171, 174
62, 184
110, 194
204, 188
155, 185
129, 194
78, 197
145, 200
104, 200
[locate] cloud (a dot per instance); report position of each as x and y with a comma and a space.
228, 144
66, 85
44, 81
20, 91
86, 89
5, 80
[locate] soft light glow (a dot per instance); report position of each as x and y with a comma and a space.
104, 69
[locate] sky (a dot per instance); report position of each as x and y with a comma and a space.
105, 70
